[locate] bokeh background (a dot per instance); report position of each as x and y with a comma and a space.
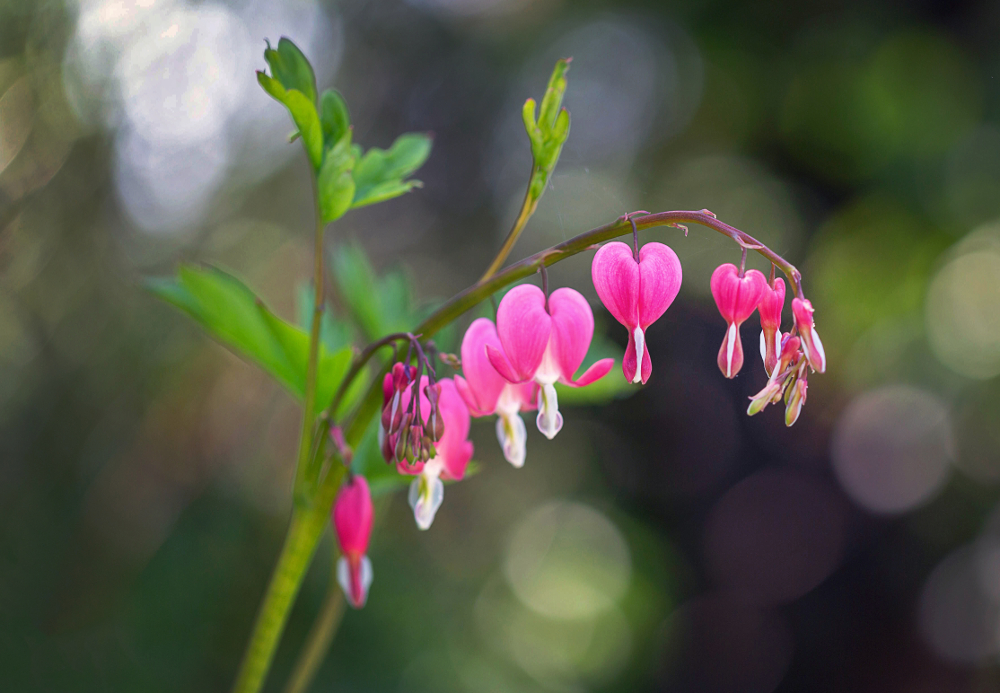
663, 542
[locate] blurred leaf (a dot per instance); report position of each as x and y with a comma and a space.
334, 333
303, 113
378, 306
291, 68
383, 191
335, 185
379, 174
610, 387
237, 318
334, 116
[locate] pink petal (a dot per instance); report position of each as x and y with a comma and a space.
737, 297
469, 396
616, 279
523, 326
629, 364
457, 461
771, 303
482, 385
452, 445
572, 329
597, 370
660, 280
647, 365
498, 359
353, 514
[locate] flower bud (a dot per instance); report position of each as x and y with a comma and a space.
353, 515
812, 347
769, 309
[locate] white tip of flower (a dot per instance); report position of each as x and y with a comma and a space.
640, 349
356, 591
549, 420
730, 348
426, 495
513, 437
820, 364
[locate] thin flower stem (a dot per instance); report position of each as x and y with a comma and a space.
527, 209
320, 636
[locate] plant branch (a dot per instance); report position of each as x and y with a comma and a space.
484, 288
309, 406
527, 209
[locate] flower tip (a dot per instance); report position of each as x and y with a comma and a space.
426, 496
355, 578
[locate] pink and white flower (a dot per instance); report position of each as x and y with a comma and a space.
802, 310
545, 341
637, 293
737, 298
353, 515
486, 392
452, 451
769, 309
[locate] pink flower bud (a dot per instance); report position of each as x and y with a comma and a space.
737, 298
769, 309
636, 294
811, 345
353, 515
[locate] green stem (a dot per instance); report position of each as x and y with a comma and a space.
527, 209
320, 636
309, 405
304, 533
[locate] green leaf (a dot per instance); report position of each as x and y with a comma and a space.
334, 333
552, 101
306, 119
290, 67
383, 191
335, 183
356, 284
231, 313
300, 105
334, 116
379, 174
610, 387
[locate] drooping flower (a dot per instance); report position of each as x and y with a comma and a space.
737, 298
353, 515
409, 427
636, 293
545, 342
802, 310
486, 392
450, 453
784, 371
769, 308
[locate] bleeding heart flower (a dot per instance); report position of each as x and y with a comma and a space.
545, 342
636, 293
737, 298
353, 515
486, 392
769, 309
451, 453
802, 310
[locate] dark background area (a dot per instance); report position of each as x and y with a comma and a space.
678, 545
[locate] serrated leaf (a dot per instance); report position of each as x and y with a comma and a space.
290, 67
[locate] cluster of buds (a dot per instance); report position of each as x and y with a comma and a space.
800, 351
406, 433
